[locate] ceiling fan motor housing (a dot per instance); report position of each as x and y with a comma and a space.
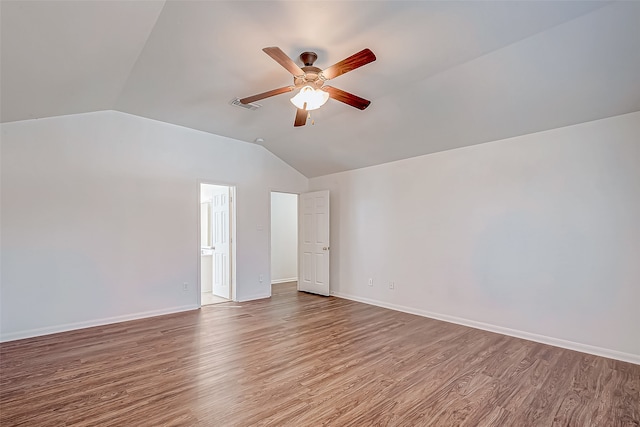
311, 75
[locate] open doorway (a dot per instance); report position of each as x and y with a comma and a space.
216, 243
284, 241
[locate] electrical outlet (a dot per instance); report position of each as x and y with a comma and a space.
370, 282
185, 286
392, 285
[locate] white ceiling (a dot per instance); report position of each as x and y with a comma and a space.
448, 74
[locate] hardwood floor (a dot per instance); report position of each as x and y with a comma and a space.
304, 360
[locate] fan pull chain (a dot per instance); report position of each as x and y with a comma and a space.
313, 122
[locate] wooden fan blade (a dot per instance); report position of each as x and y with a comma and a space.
281, 58
347, 98
351, 63
301, 117
264, 95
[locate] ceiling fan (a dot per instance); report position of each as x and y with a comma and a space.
310, 80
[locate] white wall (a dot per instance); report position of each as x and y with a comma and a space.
100, 218
536, 236
284, 237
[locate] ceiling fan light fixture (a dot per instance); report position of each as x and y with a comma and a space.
313, 98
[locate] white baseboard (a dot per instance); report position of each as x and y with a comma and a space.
570, 345
276, 281
30, 333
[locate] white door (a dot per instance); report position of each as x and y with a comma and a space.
313, 250
220, 242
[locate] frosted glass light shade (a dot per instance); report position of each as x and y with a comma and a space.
313, 98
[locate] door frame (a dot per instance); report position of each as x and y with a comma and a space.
272, 190
232, 236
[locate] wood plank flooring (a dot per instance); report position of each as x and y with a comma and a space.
304, 360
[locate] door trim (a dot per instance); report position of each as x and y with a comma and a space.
232, 235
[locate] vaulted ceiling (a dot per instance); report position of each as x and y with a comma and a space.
447, 74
